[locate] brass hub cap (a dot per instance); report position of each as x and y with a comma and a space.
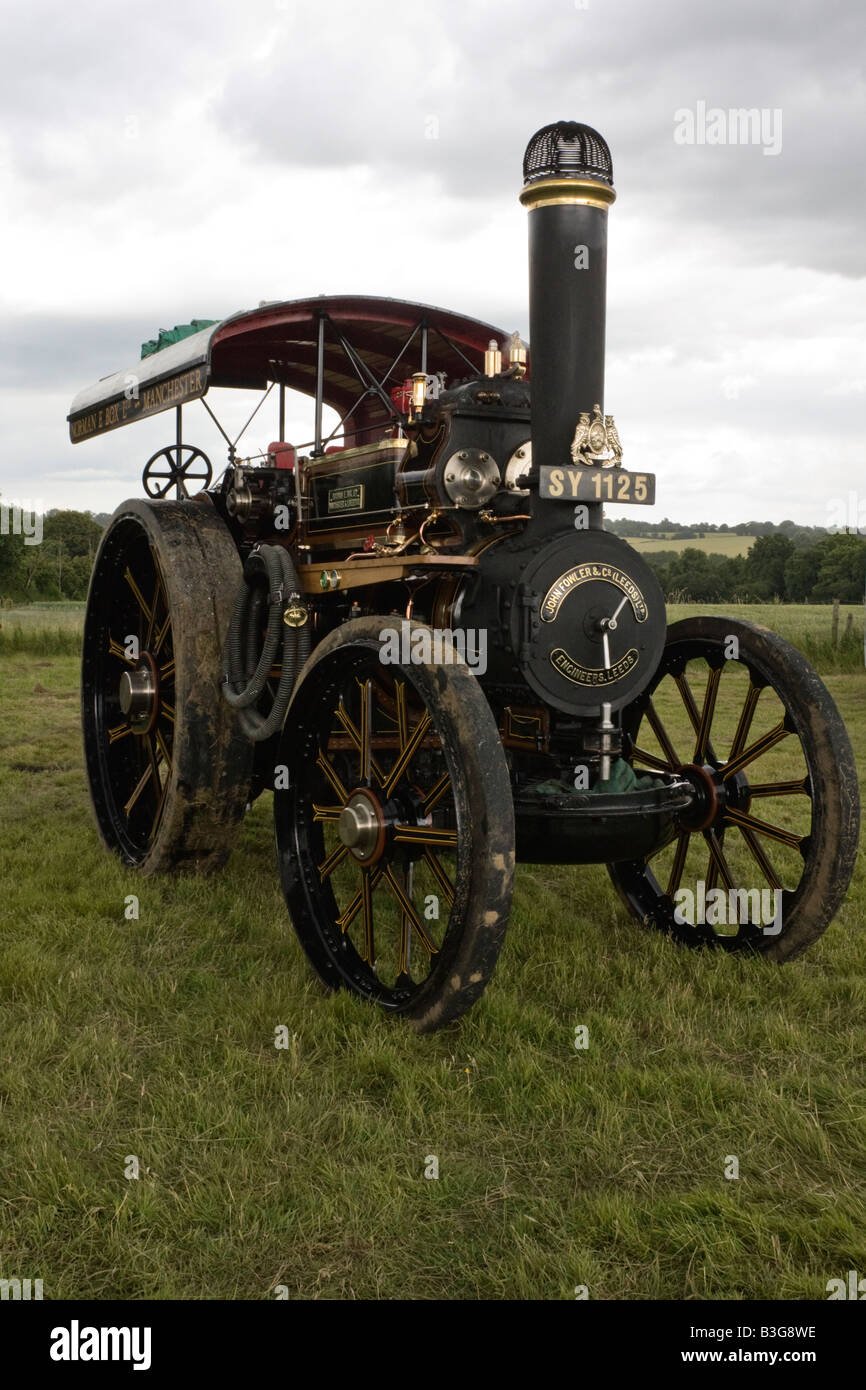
137, 693
361, 827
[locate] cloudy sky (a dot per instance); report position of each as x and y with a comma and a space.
166, 161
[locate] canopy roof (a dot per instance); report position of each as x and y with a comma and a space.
369, 345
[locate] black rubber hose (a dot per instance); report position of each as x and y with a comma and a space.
295, 650
255, 623
243, 681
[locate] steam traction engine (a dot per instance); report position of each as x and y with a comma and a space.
420, 636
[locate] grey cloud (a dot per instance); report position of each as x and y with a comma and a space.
42, 352
357, 87
627, 68
251, 118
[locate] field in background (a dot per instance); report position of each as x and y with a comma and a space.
154, 1036
42, 628
69, 616
807, 626
713, 544
55, 628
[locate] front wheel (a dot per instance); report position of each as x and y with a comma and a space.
765, 855
395, 834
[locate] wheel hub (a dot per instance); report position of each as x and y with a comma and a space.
361, 827
137, 693
709, 796
713, 794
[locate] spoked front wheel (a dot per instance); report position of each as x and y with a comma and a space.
395, 834
764, 857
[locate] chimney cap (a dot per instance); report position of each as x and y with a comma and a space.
567, 149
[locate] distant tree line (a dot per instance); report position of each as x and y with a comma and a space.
57, 568
697, 530
791, 563
813, 566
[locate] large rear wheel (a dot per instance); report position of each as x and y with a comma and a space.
169, 769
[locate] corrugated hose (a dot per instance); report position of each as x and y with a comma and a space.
247, 660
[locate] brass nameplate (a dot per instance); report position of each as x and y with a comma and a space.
346, 499
585, 574
578, 674
136, 403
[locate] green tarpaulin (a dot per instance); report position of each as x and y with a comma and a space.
167, 336
623, 778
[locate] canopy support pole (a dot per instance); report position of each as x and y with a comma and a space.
179, 488
221, 430
281, 433
320, 385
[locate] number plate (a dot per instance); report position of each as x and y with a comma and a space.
585, 482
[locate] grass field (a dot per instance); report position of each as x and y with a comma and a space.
714, 543
51, 629
68, 615
807, 626
304, 1167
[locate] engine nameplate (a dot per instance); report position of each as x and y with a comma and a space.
589, 622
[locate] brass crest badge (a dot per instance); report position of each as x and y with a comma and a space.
596, 441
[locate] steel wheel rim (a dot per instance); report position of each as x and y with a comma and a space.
130, 767
424, 827
733, 773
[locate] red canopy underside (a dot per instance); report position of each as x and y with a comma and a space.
370, 345
279, 342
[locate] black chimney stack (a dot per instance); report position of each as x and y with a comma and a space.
568, 187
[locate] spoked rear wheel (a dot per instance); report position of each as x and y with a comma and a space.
169, 769
774, 830
396, 833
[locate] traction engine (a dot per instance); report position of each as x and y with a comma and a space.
418, 634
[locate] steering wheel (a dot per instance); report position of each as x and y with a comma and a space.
181, 463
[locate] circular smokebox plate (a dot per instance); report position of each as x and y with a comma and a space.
578, 589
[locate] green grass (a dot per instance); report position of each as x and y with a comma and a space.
67, 615
807, 626
42, 628
304, 1167
714, 543
55, 628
